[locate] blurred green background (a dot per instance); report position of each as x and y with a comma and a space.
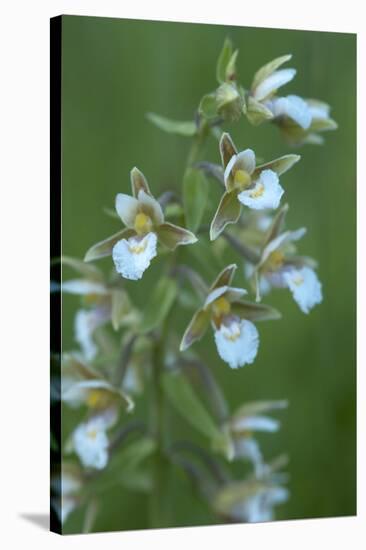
113, 72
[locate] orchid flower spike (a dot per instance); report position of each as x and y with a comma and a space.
134, 247
256, 187
232, 320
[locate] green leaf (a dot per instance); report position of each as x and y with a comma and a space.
159, 305
182, 396
182, 128
223, 60
185, 400
120, 464
195, 193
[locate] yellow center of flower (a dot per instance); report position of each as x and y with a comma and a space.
275, 260
220, 308
143, 224
92, 434
97, 399
258, 192
242, 179
233, 335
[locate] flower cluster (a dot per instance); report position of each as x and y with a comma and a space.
122, 349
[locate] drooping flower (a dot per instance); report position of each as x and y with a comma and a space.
232, 320
281, 267
256, 187
301, 120
254, 499
134, 247
103, 301
90, 440
247, 420
86, 322
81, 384
259, 507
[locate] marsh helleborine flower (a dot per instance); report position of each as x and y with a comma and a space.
134, 247
236, 336
90, 439
256, 187
280, 267
301, 120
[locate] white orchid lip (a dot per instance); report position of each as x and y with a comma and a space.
305, 287
91, 443
237, 341
132, 256
265, 194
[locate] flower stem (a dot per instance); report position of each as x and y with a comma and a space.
157, 510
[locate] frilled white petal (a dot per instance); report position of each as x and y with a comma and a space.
245, 160
83, 287
257, 423
266, 193
152, 206
237, 342
127, 208
91, 444
273, 82
293, 107
132, 257
305, 287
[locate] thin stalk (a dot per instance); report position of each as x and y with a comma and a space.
157, 501
248, 253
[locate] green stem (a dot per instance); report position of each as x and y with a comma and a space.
197, 144
157, 501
